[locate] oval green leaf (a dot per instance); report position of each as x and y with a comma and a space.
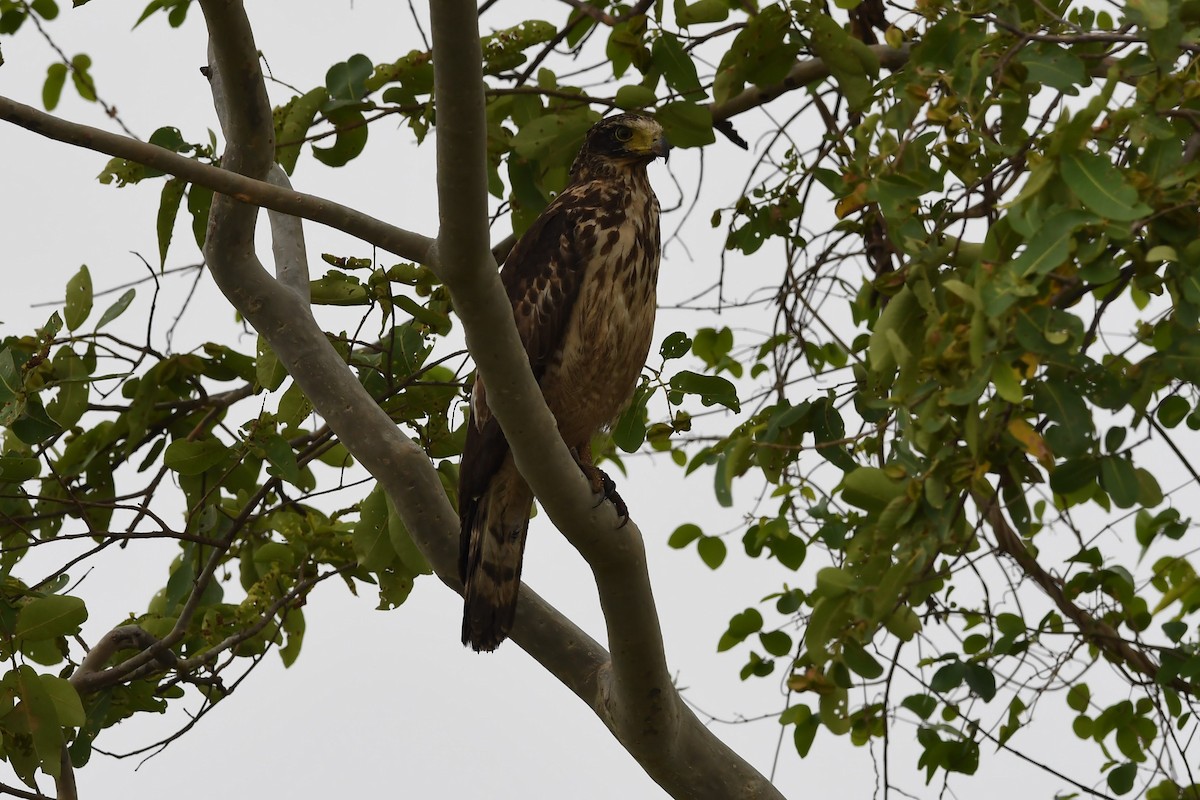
51, 616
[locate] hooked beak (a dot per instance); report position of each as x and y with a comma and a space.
661, 147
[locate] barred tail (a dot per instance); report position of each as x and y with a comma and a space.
494, 543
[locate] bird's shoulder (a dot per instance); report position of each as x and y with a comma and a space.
560, 236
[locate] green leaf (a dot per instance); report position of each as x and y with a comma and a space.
701, 12
294, 626
712, 389
11, 385
1101, 187
835, 581
372, 547
1119, 479
1156, 13
18, 469
50, 617
676, 345
1120, 779
117, 308
1172, 411
79, 298
169, 138
268, 372
56, 78
1175, 631
1078, 697
777, 643
859, 660
981, 680
199, 203
37, 716
1149, 492
336, 288
634, 96
282, 459
73, 389
923, 705
851, 63
67, 704
46, 9
346, 80
1052, 65
1063, 404
949, 677
351, 138
270, 555
741, 625
687, 124
34, 425
82, 79
552, 139
1050, 246
712, 551
630, 431
294, 408
677, 66
789, 551
762, 53
402, 542
870, 488
806, 732
294, 129
194, 457
436, 321
723, 480
168, 210
684, 535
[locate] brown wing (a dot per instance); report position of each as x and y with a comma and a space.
543, 273
541, 276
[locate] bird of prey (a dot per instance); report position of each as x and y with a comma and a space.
582, 283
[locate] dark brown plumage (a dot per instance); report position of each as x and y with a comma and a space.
582, 285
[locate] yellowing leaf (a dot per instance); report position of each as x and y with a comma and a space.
1032, 441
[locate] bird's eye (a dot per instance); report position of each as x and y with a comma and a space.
623, 134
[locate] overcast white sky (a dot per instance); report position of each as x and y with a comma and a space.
384, 703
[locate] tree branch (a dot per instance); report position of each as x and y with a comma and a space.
631, 691
405, 244
92, 675
1099, 633
287, 243
801, 75
634, 694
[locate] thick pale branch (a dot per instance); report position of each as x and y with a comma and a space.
402, 467
466, 264
287, 243
92, 675
635, 696
405, 244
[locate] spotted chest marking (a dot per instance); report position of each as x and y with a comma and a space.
595, 370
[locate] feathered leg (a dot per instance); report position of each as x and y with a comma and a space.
495, 536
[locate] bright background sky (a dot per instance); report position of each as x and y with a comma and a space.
381, 700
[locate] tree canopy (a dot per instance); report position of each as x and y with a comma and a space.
946, 370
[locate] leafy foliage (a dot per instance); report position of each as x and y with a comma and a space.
969, 405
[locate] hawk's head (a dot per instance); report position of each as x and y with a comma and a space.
619, 143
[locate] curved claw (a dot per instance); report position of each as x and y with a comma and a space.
607, 489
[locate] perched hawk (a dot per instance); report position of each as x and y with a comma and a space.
582, 286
